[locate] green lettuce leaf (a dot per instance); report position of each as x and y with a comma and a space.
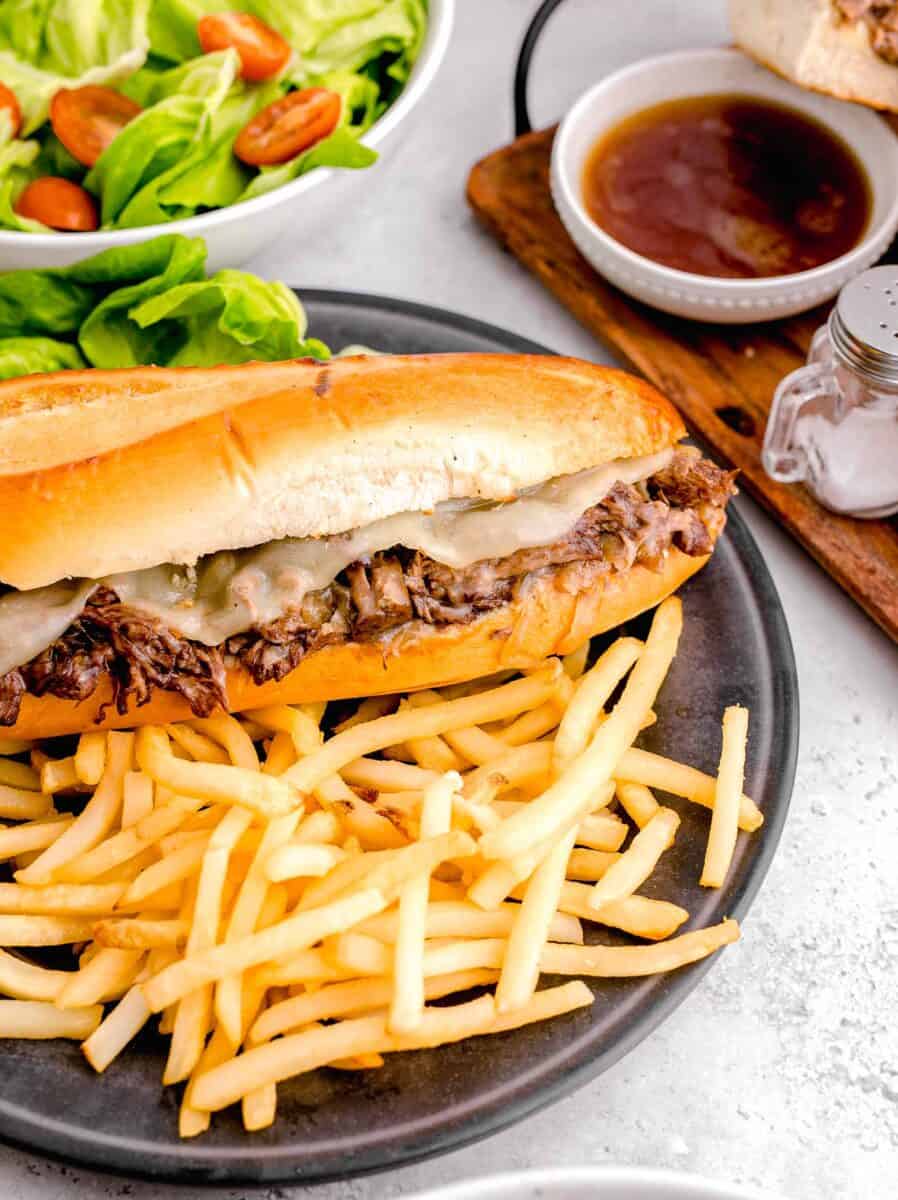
46, 45
341, 149
73, 37
32, 355
396, 27
231, 318
149, 303
164, 134
18, 160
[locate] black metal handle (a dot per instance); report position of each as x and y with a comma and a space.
522, 70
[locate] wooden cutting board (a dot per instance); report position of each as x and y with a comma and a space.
721, 377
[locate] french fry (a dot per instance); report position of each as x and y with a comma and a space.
355, 996
461, 919
95, 820
637, 802
601, 831
297, 861
281, 754
140, 933
638, 861
20, 804
25, 980
595, 765
575, 663
407, 1008
264, 794
114, 1033
303, 1052
317, 827
34, 835
298, 932
639, 915
129, 845
298, 725
31, 930
64, 899
229, 733
530, 931
641, 766
19, 775
624, 962
384, 776
475, 744
191, 1121
373, 830
174, 867
361, 740
137, 798
369, 710
521, 765
589, 699
531, 726
196, 745
589, 865
107, 975
725, 815
59, 775
308, 966
90, 757
41, 1019
244, 917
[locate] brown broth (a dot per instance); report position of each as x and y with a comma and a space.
728, 186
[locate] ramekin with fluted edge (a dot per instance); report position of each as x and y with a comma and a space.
708, 72
234, 234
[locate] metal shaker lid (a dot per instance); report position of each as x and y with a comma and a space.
864, 324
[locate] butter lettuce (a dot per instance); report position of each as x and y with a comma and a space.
31, 355
149, 303
176, 159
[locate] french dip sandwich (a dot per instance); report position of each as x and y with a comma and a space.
177, 542
847, 48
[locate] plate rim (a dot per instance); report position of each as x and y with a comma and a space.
256, 1165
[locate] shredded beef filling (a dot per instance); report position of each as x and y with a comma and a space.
881, 18
140, 653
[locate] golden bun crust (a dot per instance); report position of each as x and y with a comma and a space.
548, 620
806, 42
247, 454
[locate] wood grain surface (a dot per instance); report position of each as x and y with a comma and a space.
721, 377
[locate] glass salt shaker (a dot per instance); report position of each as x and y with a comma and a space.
834, 423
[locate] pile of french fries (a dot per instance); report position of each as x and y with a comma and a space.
285, 902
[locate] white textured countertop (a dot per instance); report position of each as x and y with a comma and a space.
781, 1069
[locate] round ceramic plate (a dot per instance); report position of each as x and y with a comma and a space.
735, 648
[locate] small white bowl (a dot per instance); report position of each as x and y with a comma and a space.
710, 72
234, 234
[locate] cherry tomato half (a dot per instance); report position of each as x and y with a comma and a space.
288, 126
9, 102
87, 119
60, 204
263, 52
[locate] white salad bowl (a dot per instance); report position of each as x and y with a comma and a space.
236, 233
593, 1183
709, 72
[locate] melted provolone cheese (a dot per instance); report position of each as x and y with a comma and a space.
232, 591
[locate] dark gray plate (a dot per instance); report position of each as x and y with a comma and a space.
735, 648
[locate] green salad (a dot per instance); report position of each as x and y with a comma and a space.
144, 304
124, 113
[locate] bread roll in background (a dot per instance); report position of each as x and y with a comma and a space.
809, 42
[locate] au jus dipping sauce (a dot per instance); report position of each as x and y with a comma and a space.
727, 186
